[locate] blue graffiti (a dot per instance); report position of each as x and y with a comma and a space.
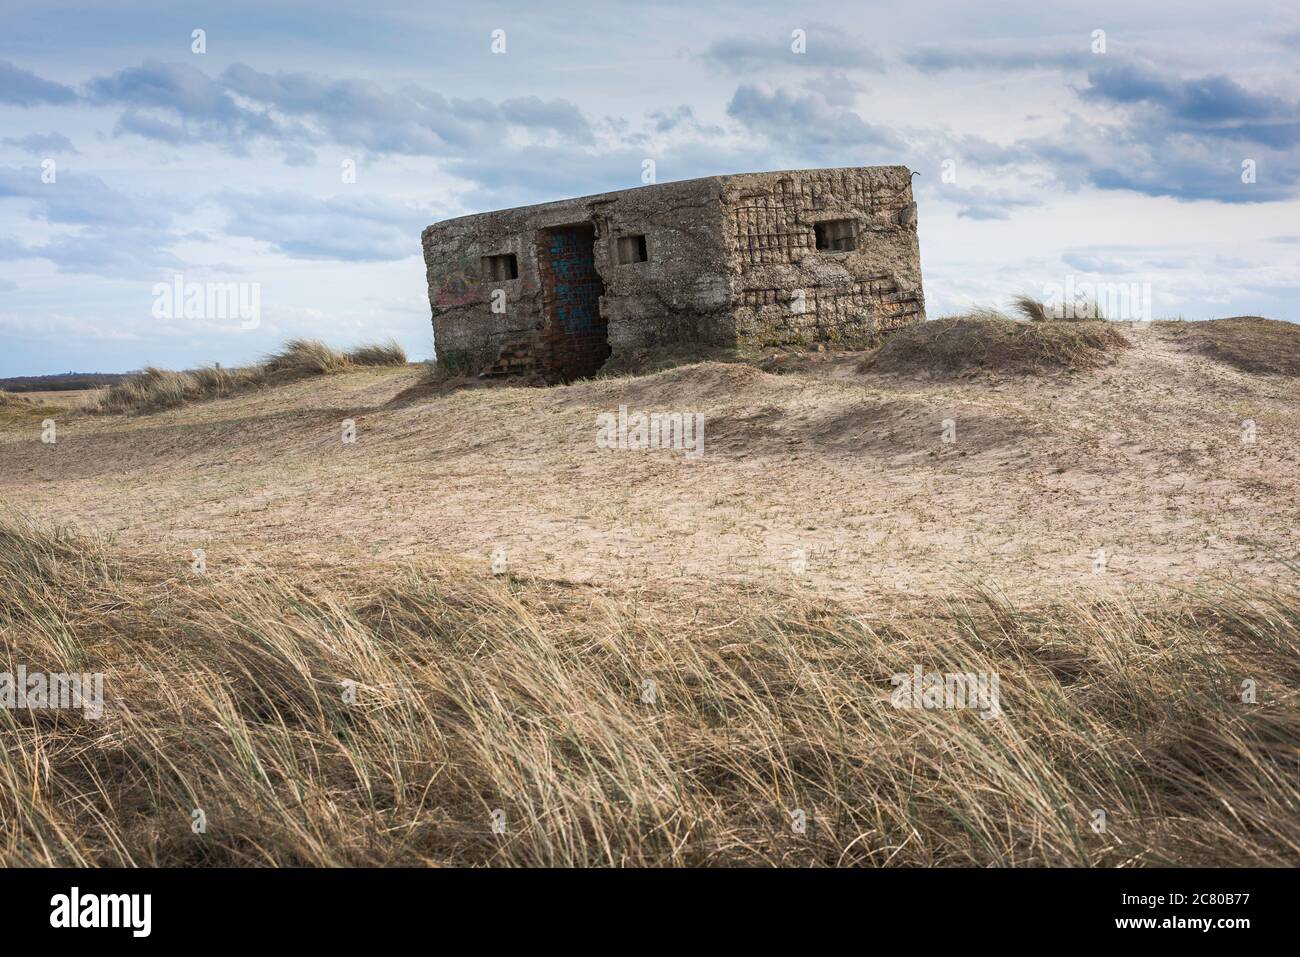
576, 287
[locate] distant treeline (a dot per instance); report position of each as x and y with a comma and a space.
63, 382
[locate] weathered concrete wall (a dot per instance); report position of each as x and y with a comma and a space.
680, 293
785, 290
731, 260
466, 330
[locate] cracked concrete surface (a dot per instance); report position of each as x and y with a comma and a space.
732, 261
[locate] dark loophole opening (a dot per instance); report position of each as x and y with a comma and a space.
630, 249
835, 235
505, 266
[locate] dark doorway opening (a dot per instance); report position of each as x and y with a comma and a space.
576, 335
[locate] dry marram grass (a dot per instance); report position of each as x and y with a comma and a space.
1249, 343
1120, 692
988, 340
226, 693
153, 389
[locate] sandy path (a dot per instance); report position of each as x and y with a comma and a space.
826, 478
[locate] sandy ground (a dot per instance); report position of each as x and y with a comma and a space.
1138, 474
72, 398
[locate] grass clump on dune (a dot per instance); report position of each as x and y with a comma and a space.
305, 357
369, 716
388, 353
988, 340
1249, 343
153, 389
17, 408
14, 407
1035, 310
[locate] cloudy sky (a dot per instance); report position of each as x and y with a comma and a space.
301, 153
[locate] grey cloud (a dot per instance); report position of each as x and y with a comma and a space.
970, 56
298, 111
152, 128
80, 199
118, 253
836, 86
981, 204
1141, 156
681, 119
21, 87
971, 150
346, 228
1119, 260
807, 122
826, 47
412, 120
665, 120
295, 155
13, 249
560, 116
198, 109
539, 174
542, 173
118, 235
1168, 136
1210, 106
41, 144
176, 86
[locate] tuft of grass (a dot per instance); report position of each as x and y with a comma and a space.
1029, 308
153, 389
1035, 310
380, 717
388, 353
22, 408
988, 340
305, 357
1249, 343
16, 408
